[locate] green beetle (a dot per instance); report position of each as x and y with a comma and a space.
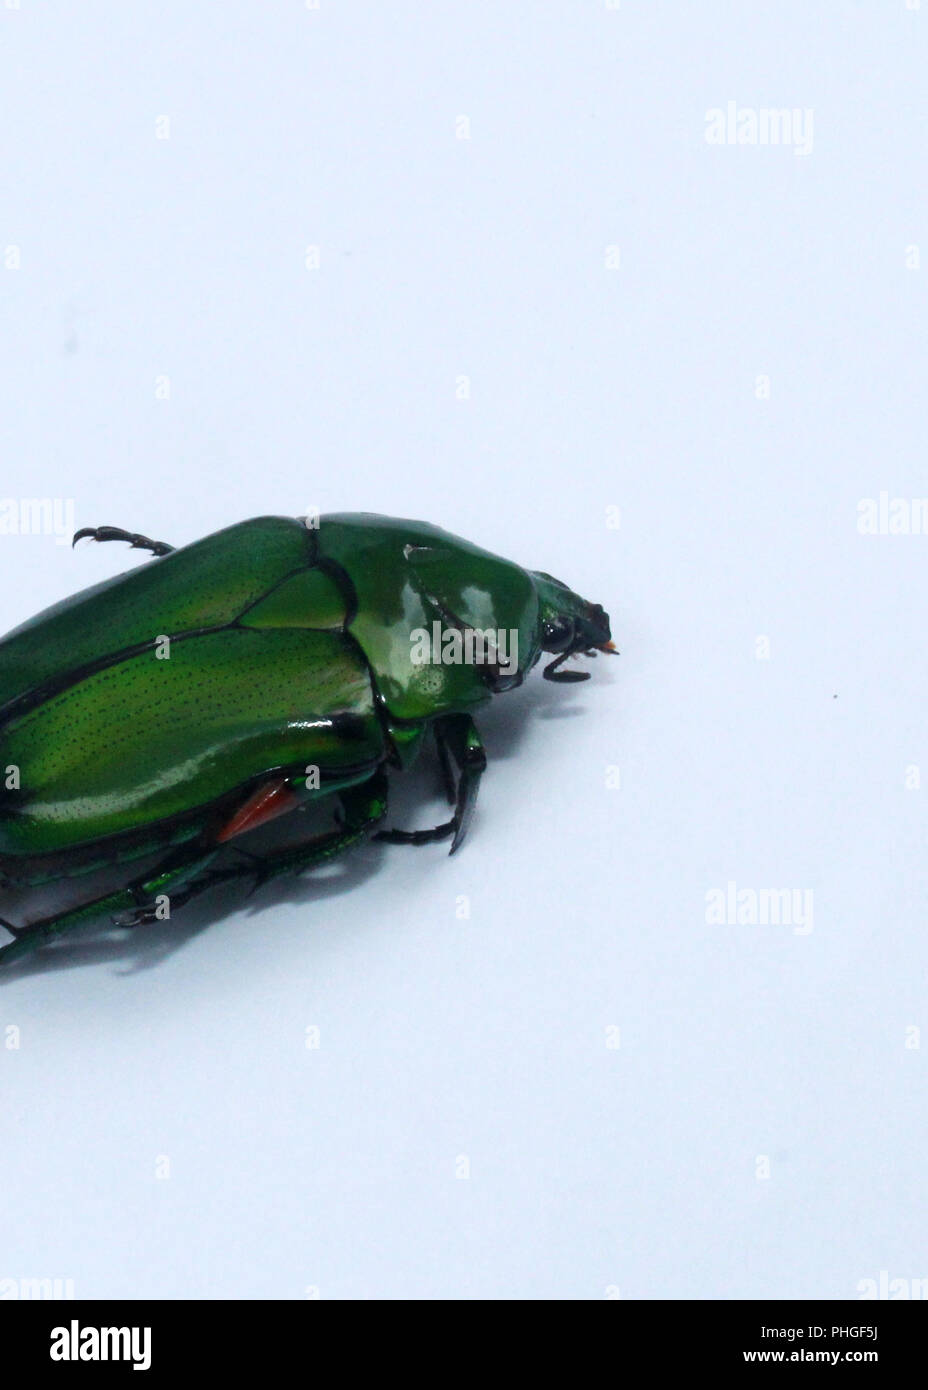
166, 712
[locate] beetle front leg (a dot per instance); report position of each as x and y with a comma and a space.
456, 734
116, 533
444, 762
470, 756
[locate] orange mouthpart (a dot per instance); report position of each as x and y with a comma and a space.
608, 647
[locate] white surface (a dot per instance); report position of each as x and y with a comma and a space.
590, 1168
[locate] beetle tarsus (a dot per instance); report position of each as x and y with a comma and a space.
141, 917
116, 533
418, 837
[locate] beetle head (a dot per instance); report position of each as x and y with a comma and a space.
569, 625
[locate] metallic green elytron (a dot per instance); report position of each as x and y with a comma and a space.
176, 707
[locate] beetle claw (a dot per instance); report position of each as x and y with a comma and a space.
116, 533
141, 917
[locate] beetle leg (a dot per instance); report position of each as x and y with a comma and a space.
444, 759
471, 758
459, 734
363, 805
116, 533
147, 913
37, 933
148, 908
417, 837
130, 906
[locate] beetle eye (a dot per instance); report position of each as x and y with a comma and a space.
557, 634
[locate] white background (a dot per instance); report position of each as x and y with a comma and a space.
592, 1168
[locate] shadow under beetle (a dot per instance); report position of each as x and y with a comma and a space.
169, 710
